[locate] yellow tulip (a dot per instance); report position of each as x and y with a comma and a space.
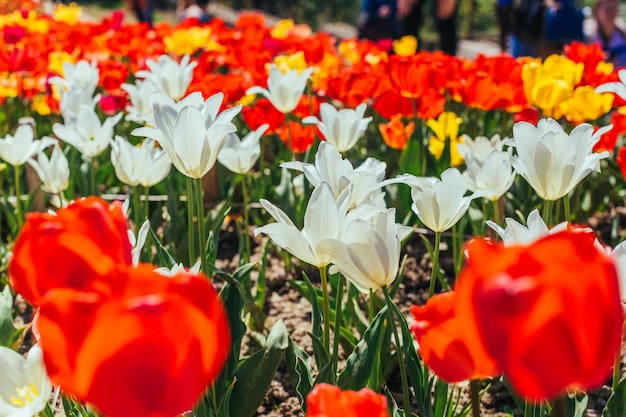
286, 63
586, 105
70, 14
348, 51
40, 105
282, 28
56, 60
187, 41
446, 127
8, 84
405, 46
547, 94
548, 83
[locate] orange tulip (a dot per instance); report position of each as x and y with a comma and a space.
549, 313
395, 133
77, 248
329, 401
449, 340
151, 350
261, 112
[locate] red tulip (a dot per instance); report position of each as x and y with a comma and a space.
77, 248
329, 401
549, 313
449, 340
151, 350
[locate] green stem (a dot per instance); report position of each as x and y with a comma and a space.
617, 363
202, 237
92, 177
337, 335
566, 208
136, 205
433, 273
496, 211
475, 397
547, 212
246, 219
190, 229
399, 352
326, 308
370, 304
146, 202
18, 194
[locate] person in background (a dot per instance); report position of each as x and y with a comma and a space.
609, 30
194, 9
410, 12
143, 10
378, 20
504, 15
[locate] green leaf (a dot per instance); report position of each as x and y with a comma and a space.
299, 367
616, 406
361, 361
322, 359
224, 407
441, 398
7, 329
164, 258
254, 375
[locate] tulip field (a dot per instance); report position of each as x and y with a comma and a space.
233, 221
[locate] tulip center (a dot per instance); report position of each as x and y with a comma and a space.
25, 395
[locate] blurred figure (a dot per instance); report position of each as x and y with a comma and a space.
143, 10
563, 24
609, 30
378, 20
193, 9
528, 25
504, 15
411, 15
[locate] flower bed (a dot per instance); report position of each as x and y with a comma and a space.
323, 159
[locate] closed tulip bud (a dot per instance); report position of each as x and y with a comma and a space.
284, 90
326, 400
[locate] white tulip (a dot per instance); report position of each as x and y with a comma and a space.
518, 234
83, 75
54, 172
284, 90
369, 252
617, 87
495, 174
324, 219
16, 150
343, 128
140, 108
479, 148
145, 164
72, 100
191, 131
552, 161
179, 267
24, 386
439, 203
365, 180
89, 135
137, 242
239, 156
169, 76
